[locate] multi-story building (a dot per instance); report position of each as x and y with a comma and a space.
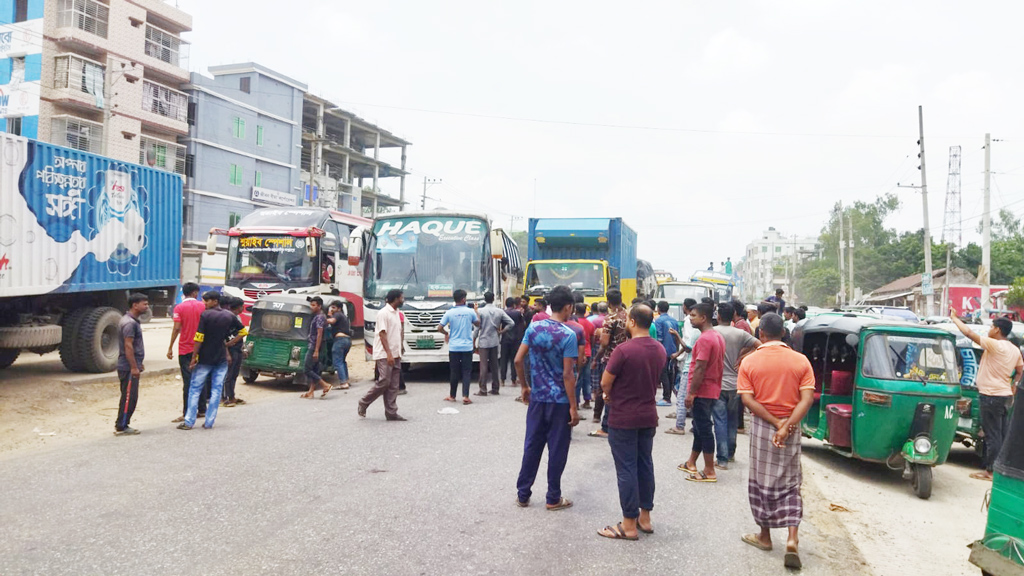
344, 153
771, 261
243, 146
97, 75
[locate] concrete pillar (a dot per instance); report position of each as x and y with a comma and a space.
401, 183
348, 133
376, 146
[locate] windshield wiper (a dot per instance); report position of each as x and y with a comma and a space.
412, 272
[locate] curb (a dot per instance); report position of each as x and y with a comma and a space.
109, 378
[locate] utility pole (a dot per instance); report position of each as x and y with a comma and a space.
842, 246
852, 289
986, 231
426, 183
930, 297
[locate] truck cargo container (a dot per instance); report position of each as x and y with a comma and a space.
590, 255
78, 234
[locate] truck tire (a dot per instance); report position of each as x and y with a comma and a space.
8, 356
69, 344
29, 336
97, 347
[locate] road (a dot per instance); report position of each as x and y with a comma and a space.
292, 486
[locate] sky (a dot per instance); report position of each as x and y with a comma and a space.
700, 123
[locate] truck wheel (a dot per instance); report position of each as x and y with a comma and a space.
922, 481
29, 336
72, 323
97, 349
8, 356
147, 316
249, 375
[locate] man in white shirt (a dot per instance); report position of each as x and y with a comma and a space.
387, 353
687, 338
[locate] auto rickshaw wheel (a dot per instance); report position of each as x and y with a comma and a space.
922, 481
250, 375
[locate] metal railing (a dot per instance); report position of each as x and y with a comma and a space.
78, 74
166, 47
88, 15
164, 101
77, 133
162, 154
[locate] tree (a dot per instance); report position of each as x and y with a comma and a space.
1015, 295
520, 238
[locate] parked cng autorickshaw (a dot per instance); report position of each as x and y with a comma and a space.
1001, 551
279, 337
885, 391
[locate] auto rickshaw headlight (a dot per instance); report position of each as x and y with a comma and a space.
295, 353
922, 445
963, 406
249, 346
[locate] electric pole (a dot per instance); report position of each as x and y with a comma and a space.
930, 295
852, 289
842, 259
986, 231
426, 183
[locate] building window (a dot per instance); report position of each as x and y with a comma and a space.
164, 46
87, 15
14, 126
17, 70
259, 179
77, 133
236, 175
77, 74
245, 84
238, 128
161, 154
764, 249
778, 249
233, 219
259, 135
164, 101
190, 165
20, 10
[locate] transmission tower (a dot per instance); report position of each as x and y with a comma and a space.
952, 227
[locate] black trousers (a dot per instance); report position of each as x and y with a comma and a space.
233, 369
995, 422
668, 379
461, 365
129, 398
506, 362
634, 468
186, 378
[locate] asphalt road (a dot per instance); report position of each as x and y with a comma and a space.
292, 486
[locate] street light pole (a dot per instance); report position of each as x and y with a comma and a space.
930, 297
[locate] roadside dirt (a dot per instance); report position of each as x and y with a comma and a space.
47, 412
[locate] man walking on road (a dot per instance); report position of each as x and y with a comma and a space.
631, 383
704, 389
664, 326
459, 338
510, 340
186, 320
726, 412
131, 353
996, 387
210, 359
777, 385
550, 398
613, 333
388, 345
317, 327
493, 323
687, 339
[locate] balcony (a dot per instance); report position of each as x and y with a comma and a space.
164, 101
166, 47
77, 133
79, 79
87, 15
162, 154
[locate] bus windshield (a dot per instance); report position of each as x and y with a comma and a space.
585, 277
274, 259
922, 358
680, 292
428, 257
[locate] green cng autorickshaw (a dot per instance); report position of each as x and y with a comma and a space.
279, 338
1001, 551
885, 391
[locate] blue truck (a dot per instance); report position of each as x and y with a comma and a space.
590, 255
78, 234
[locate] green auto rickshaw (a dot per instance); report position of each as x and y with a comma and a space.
1001, 551
885, 391
279, 338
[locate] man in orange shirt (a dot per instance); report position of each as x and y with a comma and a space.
777, 386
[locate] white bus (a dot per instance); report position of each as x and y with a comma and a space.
429, 255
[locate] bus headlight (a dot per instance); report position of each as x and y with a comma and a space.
922, 445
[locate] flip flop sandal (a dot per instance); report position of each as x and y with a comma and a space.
562, 505
682, 468
753, 541
700, 477
980, 476
449, 399
676, 431
522, 504
466, 401
618, 533
344, 386
598, 434
327, 388
644, 530
792, 561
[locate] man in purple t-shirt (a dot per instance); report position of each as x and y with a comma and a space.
630, 384
706, 370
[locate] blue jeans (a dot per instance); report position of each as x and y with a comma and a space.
195, 389
684, 386
726, 418
339, 352
547, 423
583, 382
634, 468
703, 429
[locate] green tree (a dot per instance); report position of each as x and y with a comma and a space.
1015, 295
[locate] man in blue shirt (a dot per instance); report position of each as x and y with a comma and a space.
459, 338
664, 325
551, 397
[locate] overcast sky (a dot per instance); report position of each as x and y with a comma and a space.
700, 123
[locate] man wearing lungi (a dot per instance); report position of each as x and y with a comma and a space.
777, 386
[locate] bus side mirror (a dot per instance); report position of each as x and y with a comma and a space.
355, 250
497, 244
211, 244
311, 247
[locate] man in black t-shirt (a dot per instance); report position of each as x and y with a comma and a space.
341, 329
211, 357
235, 344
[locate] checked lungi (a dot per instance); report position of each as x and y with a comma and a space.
775, 477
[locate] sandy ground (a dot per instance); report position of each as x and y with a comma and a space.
48, 411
